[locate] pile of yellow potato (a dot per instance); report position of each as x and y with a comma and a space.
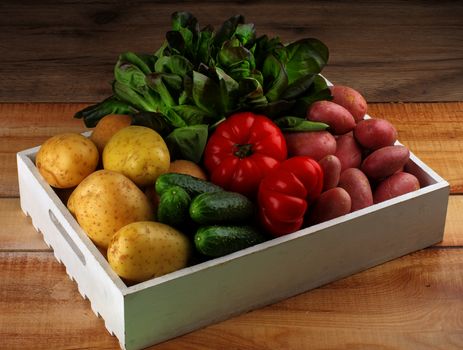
110, 174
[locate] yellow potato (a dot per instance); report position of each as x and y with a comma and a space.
66, 159
107, 127
139, 153
182, 166
143, 250
106, 201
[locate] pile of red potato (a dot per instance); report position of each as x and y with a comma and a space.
361, 160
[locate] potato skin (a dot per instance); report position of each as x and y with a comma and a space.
348, 152
331, 166
336, 116
144, 250
329, 205
375, 133
395, 185
64, 160
314, 144
106, 201
351, 100
107, 127
182, 166
139, 153
385, 161
356, 183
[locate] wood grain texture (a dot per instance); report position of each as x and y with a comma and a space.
453, 234
434, 132
391, 50
40, 307
412, 302
24, 126
18, 234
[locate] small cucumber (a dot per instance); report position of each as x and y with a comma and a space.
215, 241
173, 207
221, 208
192, 185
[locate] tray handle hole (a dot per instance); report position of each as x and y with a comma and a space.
66, 237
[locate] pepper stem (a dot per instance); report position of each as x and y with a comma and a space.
243, 151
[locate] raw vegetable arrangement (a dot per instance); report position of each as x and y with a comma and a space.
219, 141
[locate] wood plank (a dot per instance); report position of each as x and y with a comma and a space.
40, 307
432, 131
18, 234
66, 51
411, 302
453, 233
23, 126
29, 119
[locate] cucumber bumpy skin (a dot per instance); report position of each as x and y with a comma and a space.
173, 207
215, 241
192, 185
221, 208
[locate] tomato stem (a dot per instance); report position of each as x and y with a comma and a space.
243, 151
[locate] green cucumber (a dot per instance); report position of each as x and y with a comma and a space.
215, 241
173, 207
221, 208
192, 185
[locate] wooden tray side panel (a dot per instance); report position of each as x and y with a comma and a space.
191, 298
50, 219
278, 271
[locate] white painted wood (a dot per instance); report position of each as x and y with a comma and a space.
84, 263
274, 270
185, 300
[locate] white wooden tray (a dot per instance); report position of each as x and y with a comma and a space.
191, 298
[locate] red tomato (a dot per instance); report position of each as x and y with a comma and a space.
242, 150
286, 192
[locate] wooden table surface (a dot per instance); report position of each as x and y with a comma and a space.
57, 58
415, 302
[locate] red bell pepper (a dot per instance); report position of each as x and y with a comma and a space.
242, 150
286, 192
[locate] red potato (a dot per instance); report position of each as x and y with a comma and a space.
329, 205
314, 144
356, 183
395, 185
375, 133
351, 100
385, 161
337, 117
348, 152
331, 166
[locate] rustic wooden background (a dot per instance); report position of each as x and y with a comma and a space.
64, 51
57, 56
